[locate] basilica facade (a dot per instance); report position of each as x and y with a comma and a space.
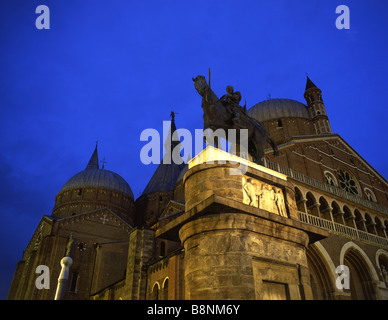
309, 223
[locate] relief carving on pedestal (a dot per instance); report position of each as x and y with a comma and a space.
263, 196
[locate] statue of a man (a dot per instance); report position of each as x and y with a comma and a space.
231, 102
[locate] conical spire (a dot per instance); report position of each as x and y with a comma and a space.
309, 84
93, 162
170, 144
165, 176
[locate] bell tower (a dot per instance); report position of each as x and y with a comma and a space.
313, 96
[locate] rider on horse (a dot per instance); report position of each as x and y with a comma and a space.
231, 102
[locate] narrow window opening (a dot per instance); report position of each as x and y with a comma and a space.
162, 249
73, 283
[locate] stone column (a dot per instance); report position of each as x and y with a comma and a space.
385, 233
304, 200
66, 263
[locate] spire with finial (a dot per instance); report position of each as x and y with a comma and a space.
170, 144
172, 116
165, 176
93, 162
309, 83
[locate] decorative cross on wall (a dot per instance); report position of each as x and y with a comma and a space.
104, 219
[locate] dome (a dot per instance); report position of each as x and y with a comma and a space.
100, 178
278, 108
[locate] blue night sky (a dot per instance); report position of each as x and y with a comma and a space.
106, 70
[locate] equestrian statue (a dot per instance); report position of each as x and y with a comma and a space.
226, 113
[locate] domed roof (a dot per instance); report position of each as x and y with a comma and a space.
99, 178
93, 176
278, 108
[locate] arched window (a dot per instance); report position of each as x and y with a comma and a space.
321, 279
348, 217
312, 207
386, 227
348, 182
383, 266
74, 282
361, 287
155, 292
369, 224
337, 213
379, 227
165, 289
324, 208
359, 220
330, 178
162, 249
370, 195
299, 200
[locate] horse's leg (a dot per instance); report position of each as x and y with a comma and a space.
274, 146
257, 140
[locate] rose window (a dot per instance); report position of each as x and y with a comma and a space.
347, 182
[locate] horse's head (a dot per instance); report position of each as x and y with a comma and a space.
200, 84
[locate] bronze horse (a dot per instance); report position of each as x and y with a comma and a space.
215, 116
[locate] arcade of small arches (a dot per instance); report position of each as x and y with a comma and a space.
160, 290
367, 280
331, 210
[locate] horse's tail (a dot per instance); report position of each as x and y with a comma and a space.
258, 125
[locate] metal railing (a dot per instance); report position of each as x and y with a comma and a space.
324, 186
341, 229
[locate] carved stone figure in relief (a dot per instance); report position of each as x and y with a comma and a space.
266, 198
249, 188
279, 200
263, 196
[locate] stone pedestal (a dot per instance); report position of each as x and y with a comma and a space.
241, 233
239, 256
